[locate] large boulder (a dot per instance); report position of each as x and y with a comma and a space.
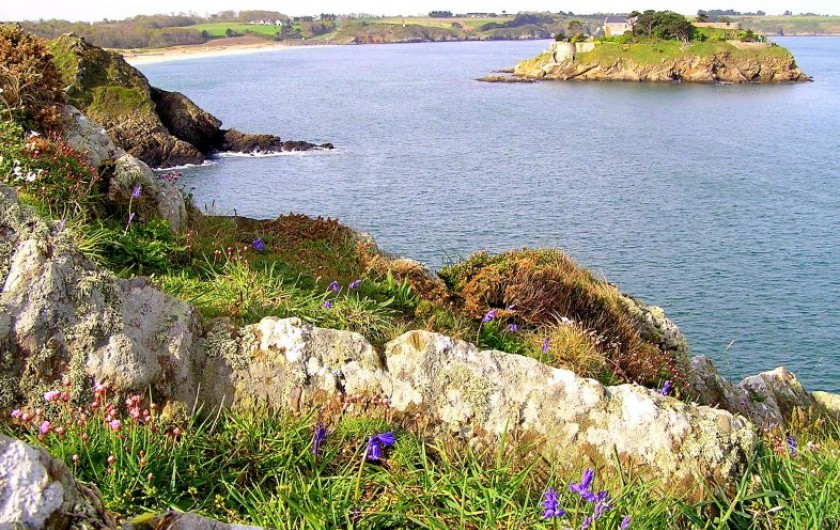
67, 318
476, 392
38, 492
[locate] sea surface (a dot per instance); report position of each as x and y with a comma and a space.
719, 203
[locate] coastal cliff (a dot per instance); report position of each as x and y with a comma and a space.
161, 128
286, 372
719, 62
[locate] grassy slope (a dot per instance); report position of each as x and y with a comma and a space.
796, 25
653, 53
218, 29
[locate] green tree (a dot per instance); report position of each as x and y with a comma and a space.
575, 26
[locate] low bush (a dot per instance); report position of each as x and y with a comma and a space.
539, 288
30, 85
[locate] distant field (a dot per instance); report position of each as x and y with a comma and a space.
446, 23
792, 25
218, 29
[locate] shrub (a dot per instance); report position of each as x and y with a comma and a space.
31, 87
538, 288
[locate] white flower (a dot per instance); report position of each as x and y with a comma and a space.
33, 175
34, 134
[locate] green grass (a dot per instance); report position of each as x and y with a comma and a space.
219, 29
657, 51
258, 468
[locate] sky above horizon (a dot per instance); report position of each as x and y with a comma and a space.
94, 10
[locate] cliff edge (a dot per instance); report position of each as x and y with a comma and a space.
161, 128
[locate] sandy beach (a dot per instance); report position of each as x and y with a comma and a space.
219, 48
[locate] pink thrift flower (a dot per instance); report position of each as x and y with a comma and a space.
16, 414
51, 396
45, 427
115, 425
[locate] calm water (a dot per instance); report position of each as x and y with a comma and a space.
719, 203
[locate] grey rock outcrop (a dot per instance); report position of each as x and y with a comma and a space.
87, 137
768, 398
70, 319
188, 521
61, 318
488, 392
126, 172
829, 402
38, 492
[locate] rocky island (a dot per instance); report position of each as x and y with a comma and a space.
662, 48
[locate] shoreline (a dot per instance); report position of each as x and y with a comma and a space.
224, 47
141, 56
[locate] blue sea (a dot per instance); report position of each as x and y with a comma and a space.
719, 203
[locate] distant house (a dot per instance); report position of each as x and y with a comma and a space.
618, 25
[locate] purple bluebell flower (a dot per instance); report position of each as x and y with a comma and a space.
513, 328
334, 287
376, 443
601, 507
320, 438
489, 316
258, 244
587, 522
666, 388
545, 345
387, 439
374, 450
354, 284
137, 192
791, 444
625, 523
327, 305
550, 505
582, 487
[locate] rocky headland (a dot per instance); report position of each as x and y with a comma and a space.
161, 128
731, 62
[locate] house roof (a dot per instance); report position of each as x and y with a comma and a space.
616, 19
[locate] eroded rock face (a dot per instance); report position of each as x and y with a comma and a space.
38, 492
163, 129
110, 91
